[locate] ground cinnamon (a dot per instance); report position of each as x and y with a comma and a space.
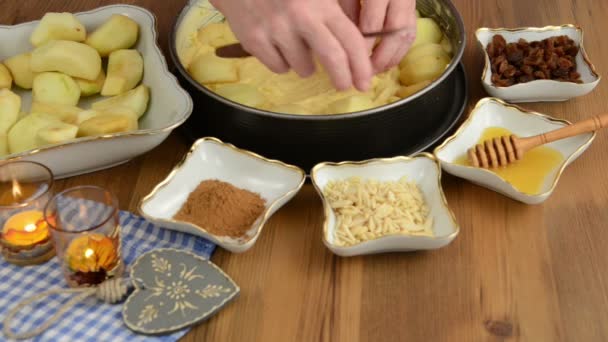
221, 208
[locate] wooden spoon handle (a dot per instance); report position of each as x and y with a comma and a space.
589, 125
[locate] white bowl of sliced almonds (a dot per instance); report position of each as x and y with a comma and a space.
86, 91
384, 205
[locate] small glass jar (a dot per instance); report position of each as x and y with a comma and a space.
85, 227
25, 189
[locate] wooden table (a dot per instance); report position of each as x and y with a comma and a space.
516, 272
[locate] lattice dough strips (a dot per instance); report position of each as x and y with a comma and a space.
368, 209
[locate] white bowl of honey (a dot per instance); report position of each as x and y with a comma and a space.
530, 180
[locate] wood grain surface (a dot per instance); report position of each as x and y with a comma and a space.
516, 272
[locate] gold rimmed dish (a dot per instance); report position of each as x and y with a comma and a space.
422, 169
539, 90
169, 106
208, 159
493, 112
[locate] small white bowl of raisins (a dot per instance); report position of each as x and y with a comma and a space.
536, 64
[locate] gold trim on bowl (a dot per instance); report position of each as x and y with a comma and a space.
139, 132
327, 208
582, 50
545, 117
223, 239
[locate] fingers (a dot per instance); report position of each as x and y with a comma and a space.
295, 51
353, 43
372, 18
392, 48
331, 54
258, 44
351, 8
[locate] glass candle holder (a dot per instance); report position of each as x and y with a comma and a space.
85, 228
25, 189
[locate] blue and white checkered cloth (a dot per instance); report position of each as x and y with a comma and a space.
91, 320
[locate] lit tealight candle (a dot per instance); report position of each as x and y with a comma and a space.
25, 229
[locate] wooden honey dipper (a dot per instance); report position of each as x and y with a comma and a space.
505, 150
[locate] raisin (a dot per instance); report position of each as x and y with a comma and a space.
520, 62
525, 79
514, 54
527, 70
510, 72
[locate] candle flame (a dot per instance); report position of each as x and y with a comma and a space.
17, 193
30, 227
88, 253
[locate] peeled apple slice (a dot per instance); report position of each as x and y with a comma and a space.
125, 71
119, 32
56, 133
427, 31
216, 35
55, 87
58, 26
3, 145
424, 69
136, 100
23, 135
245, 94
65, 113
423, 51
107, 124
350, 104
6, 80
210, 68
20, 68
71, 58
446, 45
85, 115
408, 91
88, 88
10, 106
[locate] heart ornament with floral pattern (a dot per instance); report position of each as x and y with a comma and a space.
174, 289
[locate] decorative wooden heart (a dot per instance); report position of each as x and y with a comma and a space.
175, 289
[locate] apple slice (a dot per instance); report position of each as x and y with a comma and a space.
245, 94
210, 68
56, 133
88, 88
408, 91
107, 124
71, 58
125, 70
119, 32
136, 100
20, 68
10, 106
85, 115
23, 135
6, 80
58, 26
354, 103
3, 145
65, 113
55, 87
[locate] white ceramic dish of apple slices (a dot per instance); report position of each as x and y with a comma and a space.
169, 105
539, 90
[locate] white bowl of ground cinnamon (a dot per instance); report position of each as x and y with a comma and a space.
222, 193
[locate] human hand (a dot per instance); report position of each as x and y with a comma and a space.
285, 34
379, 15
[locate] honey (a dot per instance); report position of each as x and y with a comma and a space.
527, 175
